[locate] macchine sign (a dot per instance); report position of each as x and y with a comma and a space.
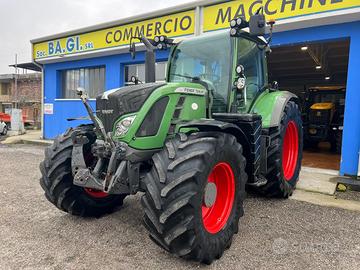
218, 16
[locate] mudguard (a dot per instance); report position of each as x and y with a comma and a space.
215, 125
271, 105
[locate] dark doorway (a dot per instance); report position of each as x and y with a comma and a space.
317, 73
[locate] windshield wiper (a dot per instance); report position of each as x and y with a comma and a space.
195, 79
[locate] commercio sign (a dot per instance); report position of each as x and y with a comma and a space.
215, 17
180, 24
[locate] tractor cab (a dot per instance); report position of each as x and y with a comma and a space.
225, 65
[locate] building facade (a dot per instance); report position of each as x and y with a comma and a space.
22, 91
97, 57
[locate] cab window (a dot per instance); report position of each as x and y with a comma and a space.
251, 57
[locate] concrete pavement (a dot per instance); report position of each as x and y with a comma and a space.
30, 137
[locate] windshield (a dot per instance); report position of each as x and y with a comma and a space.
207, 59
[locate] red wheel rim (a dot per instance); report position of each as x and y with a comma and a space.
290, 150
96, 193
215, 217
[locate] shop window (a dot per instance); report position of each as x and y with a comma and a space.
139, 72
6, 108
91, 79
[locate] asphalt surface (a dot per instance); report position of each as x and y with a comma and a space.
274, 234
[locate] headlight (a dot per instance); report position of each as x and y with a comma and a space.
123, 126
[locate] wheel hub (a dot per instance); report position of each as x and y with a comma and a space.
210, 194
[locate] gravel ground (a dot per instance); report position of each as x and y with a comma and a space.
274, 234
349, 195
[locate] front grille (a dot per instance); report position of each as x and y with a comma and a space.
321, 117
122, 101
152, 121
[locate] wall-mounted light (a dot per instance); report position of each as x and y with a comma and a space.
304, 48
327, 78
318, 67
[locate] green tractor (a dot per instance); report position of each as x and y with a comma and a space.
192, 145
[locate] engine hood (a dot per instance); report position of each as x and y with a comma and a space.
116, 102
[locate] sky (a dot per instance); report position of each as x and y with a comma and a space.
23, 20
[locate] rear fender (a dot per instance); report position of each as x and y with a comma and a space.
271, 105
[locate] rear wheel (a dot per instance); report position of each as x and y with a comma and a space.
284, 155
194, 195
57, 179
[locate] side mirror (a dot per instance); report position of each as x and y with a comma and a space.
132, 50
274, 85
134, 80
257, 25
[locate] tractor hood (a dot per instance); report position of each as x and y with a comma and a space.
116, 102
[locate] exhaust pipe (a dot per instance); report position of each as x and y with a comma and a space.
150, 66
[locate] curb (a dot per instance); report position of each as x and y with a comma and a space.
325, 200
30, 142
37, 142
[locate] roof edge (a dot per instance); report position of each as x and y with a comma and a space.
132, 19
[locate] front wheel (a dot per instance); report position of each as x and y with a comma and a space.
194, 195
5, 131
57, 179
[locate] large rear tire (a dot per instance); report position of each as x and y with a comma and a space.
194, 195
57, 179
284, 155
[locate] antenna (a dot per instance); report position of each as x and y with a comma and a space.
271, 22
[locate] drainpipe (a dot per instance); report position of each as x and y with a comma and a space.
42, 99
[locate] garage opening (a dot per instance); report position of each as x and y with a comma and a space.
316, 72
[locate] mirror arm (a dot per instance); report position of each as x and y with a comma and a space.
147, 43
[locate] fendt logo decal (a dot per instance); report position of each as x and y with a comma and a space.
191, 91
107, 111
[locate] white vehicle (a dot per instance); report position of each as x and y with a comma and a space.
3, 128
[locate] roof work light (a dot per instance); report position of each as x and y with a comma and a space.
162, 42
237, 24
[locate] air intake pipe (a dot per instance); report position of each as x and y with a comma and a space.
149, 60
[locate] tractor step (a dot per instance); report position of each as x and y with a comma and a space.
260, 181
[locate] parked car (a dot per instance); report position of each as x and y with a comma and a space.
7, 119
3, 128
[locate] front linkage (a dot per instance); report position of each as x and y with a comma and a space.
112, 171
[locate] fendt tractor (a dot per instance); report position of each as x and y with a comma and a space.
193, 144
